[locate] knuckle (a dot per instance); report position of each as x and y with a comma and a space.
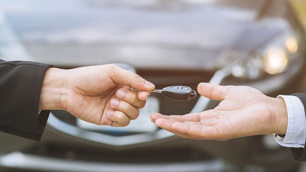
118, 116
132, 97
142, 104
111, 67
136, 76
123, 105
121, 119
135, 115
125, 123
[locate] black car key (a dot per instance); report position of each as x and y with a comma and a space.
176, 92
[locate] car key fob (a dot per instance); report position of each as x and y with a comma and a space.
179, 93
183, 93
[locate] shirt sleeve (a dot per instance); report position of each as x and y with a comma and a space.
20, 87
296, 131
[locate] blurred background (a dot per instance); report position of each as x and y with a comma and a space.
300, 8
168, 42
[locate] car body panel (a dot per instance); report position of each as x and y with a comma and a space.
180, 42
145, 35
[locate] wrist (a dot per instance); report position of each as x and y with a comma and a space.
53, 90
278, 108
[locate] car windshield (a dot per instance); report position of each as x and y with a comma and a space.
153, 30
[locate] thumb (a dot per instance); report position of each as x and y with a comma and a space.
211, 91
124, 77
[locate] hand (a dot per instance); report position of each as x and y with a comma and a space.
96, 94
243, 111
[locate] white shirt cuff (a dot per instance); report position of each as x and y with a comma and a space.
296, 135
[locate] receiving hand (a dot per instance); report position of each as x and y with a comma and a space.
243, 111
96, 94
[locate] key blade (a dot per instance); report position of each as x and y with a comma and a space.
152, 91
156, 91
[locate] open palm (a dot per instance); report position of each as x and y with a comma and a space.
243, 111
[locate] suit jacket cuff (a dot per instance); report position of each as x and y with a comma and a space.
20, 87
300, 154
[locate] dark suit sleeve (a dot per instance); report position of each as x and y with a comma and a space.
299, 153
20, 86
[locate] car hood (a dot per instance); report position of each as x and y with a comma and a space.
146, 34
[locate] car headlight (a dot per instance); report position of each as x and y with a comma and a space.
273, 59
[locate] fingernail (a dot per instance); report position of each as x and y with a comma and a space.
149, 84
120, 94
109, 113
114, 103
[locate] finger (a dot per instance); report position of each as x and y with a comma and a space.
130, 97
156, 116
197, 131
178, 133
194, 117
164, 123
143, 95
115, 124
212, 91
192, 130
189, 130
119, 105
119, 118
178, 128
169, 129
167, 125
124, 77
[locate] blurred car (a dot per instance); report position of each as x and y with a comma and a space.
230, 42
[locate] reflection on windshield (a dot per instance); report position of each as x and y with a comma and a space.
83, 22
103, 31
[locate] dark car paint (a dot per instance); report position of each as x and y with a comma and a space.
152, 35
188, 53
